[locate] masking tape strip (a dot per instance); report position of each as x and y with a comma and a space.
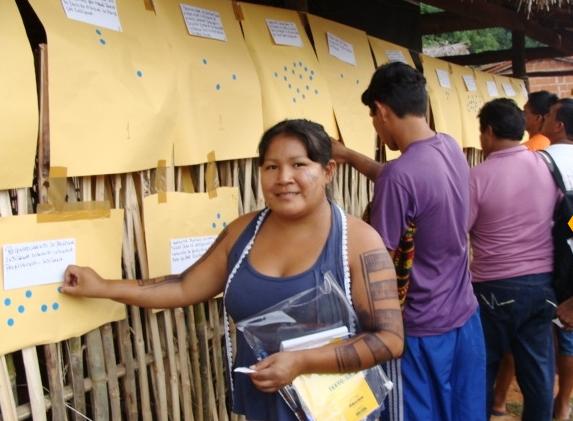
73, 211
211, 175
57, 186
149, 5
161, 181
238, 11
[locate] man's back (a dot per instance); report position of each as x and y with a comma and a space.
513, 199
428, 185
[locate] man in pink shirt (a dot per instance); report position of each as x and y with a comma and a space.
513, 197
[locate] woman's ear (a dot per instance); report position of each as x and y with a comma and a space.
330, 169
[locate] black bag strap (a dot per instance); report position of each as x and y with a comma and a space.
554, 170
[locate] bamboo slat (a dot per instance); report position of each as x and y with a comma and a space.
34, 383
159, 370
183, 353
172, 359
7, 402
53, 357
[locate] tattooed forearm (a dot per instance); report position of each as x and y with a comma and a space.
379, 350
347, 358
156, 282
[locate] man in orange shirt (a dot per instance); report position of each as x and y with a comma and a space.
538, 104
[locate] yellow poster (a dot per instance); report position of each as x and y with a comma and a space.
344, 55
219, 95
488, 86
470, 103
181, 229
387, 52
18, 102
512, 88
292, 83
443, 97
521, 91
34, 257
111, 86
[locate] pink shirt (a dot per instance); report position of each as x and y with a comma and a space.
512, 197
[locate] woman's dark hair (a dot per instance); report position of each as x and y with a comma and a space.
504, 117
312, 135
400, 87
541, 101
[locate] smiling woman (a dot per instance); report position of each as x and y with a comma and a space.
265, 257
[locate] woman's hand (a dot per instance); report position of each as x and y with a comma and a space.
84, 282
276, 371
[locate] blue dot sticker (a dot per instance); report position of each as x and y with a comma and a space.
43, 308
285, 68
214, 225
300, 63
102, 41
234, 76
300, 76
139, 73
7, 301
297, 90
357, 82
316, 91
55, 306
275, 74
10, 322
294, 100
292, 71
306, 69
285, 78
21, 309
307, 87
294, 63
218, 216
312, 72
289, 86
204, 61
310, 78
341, 75
98, 32
59, 289
218, 86
28, 294
224, 224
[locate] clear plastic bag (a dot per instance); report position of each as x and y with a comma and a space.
313, 318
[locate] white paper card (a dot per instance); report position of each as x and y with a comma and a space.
203, 22
245, 370
395, 55
284, 32
186, 251
340, 49
443, 78
508, 89
37, 263
523, 89
491, 88
95, 12
470, 82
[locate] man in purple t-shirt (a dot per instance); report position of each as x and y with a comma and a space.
513, 197
443, 366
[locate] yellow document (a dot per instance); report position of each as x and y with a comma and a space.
471, 102
111, 91
292, 83
344, 55
179, 230
386, 52
488, 86
344, 397
443, 97
18, 102
219, 96
33, 311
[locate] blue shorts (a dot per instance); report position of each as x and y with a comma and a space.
565, 342
444, 375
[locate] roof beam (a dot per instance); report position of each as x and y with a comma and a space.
496, 15
503, 55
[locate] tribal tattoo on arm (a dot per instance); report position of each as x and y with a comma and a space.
380, 287
169, 279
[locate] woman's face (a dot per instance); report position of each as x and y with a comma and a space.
293, 185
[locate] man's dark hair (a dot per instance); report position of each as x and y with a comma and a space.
400, 87
541, 101
565, 115
312, 135
504, 117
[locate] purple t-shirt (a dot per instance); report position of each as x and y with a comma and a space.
429, 185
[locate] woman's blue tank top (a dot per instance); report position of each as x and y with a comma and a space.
249, 292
